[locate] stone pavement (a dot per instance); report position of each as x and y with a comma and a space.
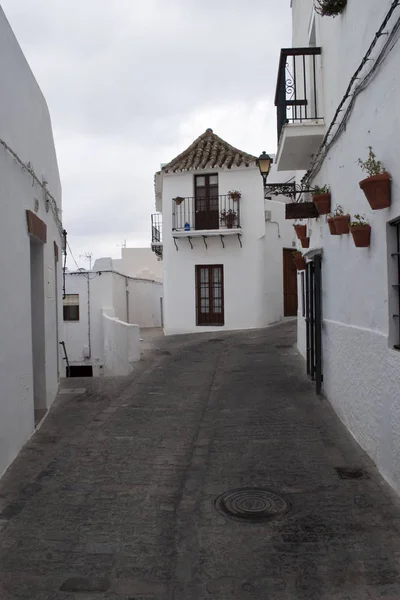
114, 497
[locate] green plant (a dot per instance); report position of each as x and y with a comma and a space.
228, 216
317, 191
358, 220
371, 165
338, 212
330, 8
234, 194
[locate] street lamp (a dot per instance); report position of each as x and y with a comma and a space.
264, 163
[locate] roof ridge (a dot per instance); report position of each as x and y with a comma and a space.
209, 150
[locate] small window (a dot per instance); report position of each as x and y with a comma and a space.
71, 307
394, 283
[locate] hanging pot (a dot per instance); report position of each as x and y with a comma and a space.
342, 224
322, 203
361, 235
305, 242
332, 226
301, 231
300, 262
377, 190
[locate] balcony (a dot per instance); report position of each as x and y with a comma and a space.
206, 215
298, 99
156, 234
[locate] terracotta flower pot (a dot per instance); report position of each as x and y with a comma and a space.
301, 231
332, 226
342, 224
300, 262
322, 203
361, 235
377, 190
305, 242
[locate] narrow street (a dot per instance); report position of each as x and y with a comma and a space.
114, 497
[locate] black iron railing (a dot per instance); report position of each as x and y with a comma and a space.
156, 234
298, 90
206, 213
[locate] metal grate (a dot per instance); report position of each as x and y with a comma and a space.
396, 285
206, 213
351, 473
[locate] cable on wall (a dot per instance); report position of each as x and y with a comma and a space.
354, 90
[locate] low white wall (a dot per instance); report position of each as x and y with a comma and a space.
121, 343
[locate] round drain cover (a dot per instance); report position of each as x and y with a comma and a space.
251, 504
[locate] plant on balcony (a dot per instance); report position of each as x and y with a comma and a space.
299, 261
361, 231
228, 218
322, 199
342, 221
376, 186
305, 242
301, 230
330, 8
234, 195
178, 200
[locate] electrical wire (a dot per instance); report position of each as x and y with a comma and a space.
393, 38
73, 257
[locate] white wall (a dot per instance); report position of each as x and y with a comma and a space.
121, 345
109, 293
361, 370
244, 268
25, 126
139, 263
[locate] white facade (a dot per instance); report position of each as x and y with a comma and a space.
251, 257
31, 287
112, 308
140, 263
361, 368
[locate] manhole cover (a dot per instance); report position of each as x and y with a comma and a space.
254, 505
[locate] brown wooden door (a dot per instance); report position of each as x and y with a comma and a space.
210, 294
206, 202
289, 284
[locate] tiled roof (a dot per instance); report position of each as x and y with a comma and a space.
209, 151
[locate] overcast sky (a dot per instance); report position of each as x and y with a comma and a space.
131, 83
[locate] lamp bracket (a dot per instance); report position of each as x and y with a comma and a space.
294, 191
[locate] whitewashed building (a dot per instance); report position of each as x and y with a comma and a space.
103, 313
336, 97
223, 246
31, 245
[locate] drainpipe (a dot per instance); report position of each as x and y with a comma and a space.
88, 305
127, 299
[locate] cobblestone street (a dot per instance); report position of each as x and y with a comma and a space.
114, 497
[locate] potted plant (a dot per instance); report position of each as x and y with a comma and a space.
178, 200
305, 242
228, 217
332, 224
322, 199
376, 186
342, 221
361, 231
299, 261
234, 195
301, 230
330, 8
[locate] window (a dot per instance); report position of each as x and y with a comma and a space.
210, 294
71, 307
394, 283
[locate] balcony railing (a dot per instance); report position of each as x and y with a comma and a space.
201, 213
156, 234
298, 87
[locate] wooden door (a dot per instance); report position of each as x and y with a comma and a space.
289, 284
210, 294
206, 202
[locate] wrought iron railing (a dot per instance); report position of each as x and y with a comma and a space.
206, 213
298, 89
156, 234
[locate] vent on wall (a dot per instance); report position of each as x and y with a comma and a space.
80, 371
268, 215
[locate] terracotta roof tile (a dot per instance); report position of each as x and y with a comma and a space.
209, 151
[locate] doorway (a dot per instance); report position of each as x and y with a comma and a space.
314, 321
289, 284
210, 294
206, 202
38, 328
